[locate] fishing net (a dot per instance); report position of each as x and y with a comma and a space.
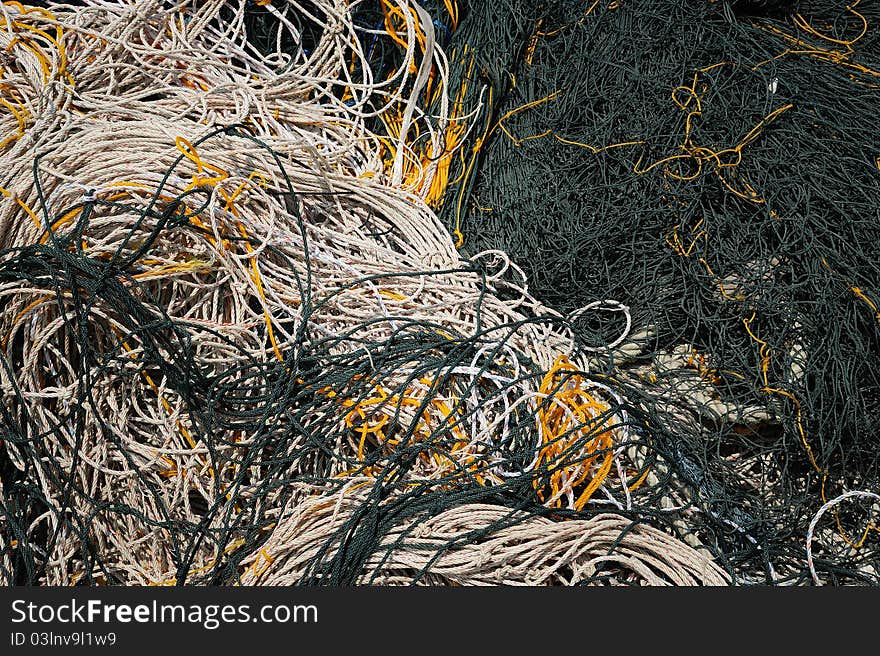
451, 293
709, 166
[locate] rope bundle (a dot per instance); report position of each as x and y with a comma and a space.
221, 284
248, 336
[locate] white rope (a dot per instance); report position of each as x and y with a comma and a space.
854, 494
110, 108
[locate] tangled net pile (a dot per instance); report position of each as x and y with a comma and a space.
333, 292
